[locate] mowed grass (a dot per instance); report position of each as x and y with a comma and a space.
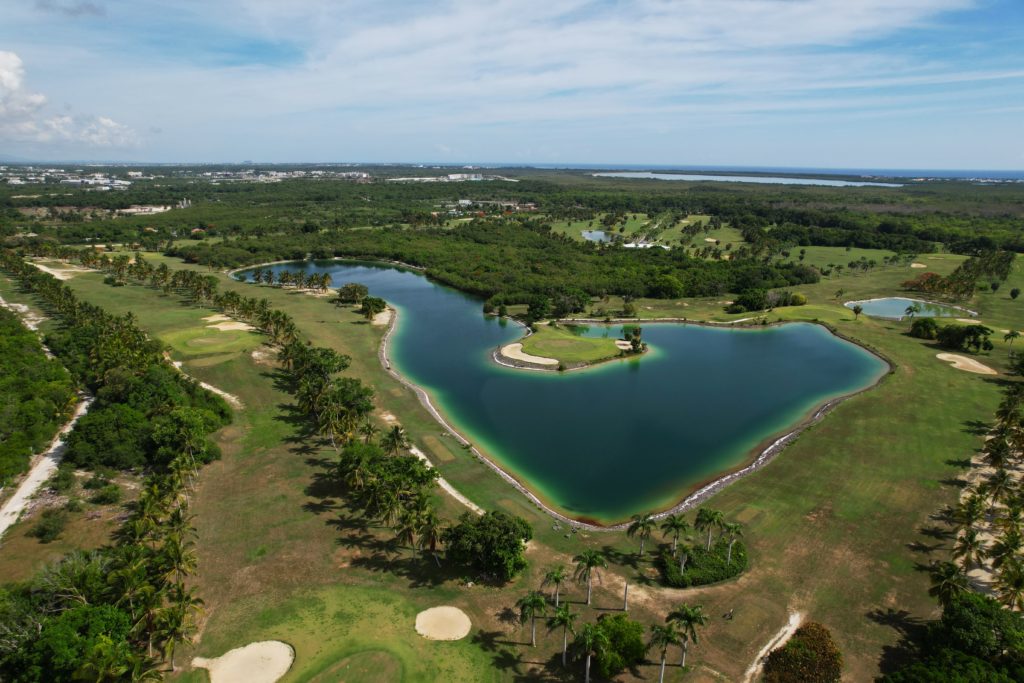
833, 525
555, 341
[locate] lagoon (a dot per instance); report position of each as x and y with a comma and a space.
621, 438
777, 180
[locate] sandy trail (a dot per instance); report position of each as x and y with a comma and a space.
515, 352
443, 483
965, 363
42, 470
777, 641
443, 623
30, 319
262, 662
230, 398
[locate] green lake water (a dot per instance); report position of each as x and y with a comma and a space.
625, 437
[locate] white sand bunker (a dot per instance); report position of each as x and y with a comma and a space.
442, 623
262, 662
225, 324
918, 265
965, 363
515, 351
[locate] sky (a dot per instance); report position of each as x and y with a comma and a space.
929, 84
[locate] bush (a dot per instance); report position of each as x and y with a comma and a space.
108, 495
810, 656
73, 505
964, 337
703, 567
625, 644
50, 526
797, 299
64, 479
924, 328
492, 543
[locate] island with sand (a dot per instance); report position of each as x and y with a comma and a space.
563, 345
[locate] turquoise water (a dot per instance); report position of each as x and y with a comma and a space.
895, 307
760, 179
620, 438
596, 236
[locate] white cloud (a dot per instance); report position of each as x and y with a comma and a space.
23, 115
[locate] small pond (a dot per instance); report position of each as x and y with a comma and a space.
895, 308
596, 236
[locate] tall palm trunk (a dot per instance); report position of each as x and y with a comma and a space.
587, 679
557, 587
661, 676
533, 632
565, 643
682, 662
590, 585
728, 556
709, 539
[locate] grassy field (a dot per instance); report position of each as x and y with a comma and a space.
833, 526
560, 343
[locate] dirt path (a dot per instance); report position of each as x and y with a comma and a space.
443, 483
777, 641
230, 398
43, 469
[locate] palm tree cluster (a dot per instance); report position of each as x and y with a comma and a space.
989, 516
395, 489
318, 282
679, 629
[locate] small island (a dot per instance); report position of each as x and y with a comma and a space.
561, 345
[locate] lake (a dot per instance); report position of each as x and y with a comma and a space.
596, 236
895, 307
624, 437
778, 180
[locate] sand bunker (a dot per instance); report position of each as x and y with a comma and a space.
60, 273
918, 265
965, 363
515, 352
442, 623
382, 318
262, 662
710, 239
216, 318
969, 321
624, 345
234, 325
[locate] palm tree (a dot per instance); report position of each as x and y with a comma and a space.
1010, 585
1006, 548
587, 564
947, 581
969, 549
912, 310
662, 638
531, 606
733, 532
999, 486
430, 530
676, 526
857, 310
395, 440
708, 519
1010, 336
589, 641
641, 527
555, 576
368, 430
685, 551
563, 618
687, 619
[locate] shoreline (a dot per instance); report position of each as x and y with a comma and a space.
764, 454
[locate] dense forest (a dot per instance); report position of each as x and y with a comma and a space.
36, 396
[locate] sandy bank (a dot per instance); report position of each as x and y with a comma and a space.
383, 318
965, 363
262, 662
515, 352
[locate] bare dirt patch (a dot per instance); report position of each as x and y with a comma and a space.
442, 623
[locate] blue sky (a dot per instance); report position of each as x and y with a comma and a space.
823, 83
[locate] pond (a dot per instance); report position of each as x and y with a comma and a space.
895, 308
620, 438
596, 236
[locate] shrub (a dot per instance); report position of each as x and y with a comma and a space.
492, 543
810, 656
50, 526
64, 479
625, 644
797, 299
73, 505
703, 567
964, 337
924, 328
108, 495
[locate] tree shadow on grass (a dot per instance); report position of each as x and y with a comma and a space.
911, 631
976, 427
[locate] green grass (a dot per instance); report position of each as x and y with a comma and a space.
829, 524
560, 343
821, 257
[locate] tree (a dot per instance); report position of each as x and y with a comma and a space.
641, 527
662, 638
1010, 585
395, 441
969, 549
587, 564
555, 576
1015, 292
708, 520
947, 581
531, 606
810, 656
372, 305
687, 619
1010, 336
857, 310
590, 641
912, 310
491, 543
563, 618
352, 293
675, 525
626, 647
733, 532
